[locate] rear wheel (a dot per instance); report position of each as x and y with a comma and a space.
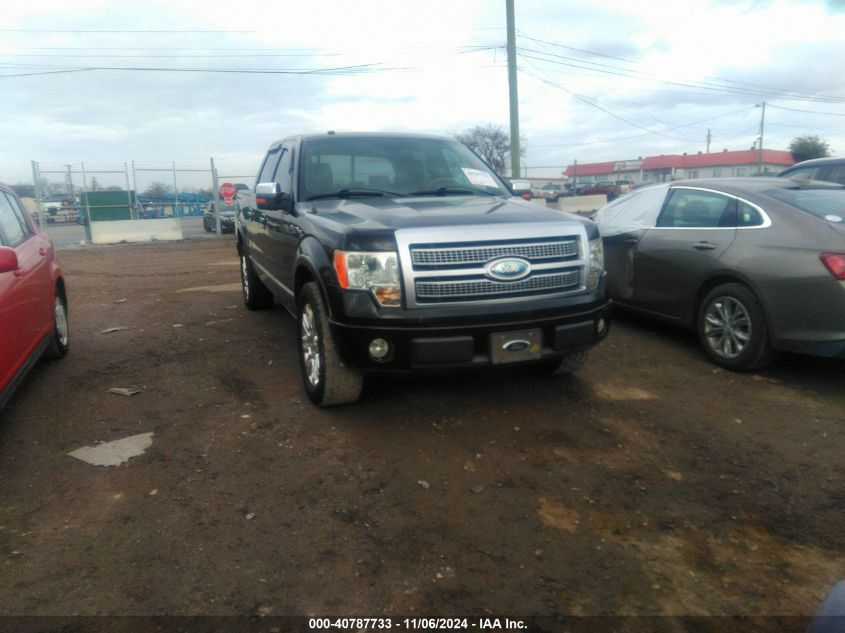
60, 340
733, 330
256, 295
327, 380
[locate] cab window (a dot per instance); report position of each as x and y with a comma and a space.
268, 169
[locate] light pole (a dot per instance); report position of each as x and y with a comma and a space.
512, 90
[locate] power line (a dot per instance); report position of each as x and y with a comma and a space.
623, 138
806, 111
764, 87
606, 69
340, 70
124, 31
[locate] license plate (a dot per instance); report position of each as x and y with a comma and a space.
512, 347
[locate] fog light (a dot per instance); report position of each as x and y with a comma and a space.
379, 349
601, 326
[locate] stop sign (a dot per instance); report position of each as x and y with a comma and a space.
228, 191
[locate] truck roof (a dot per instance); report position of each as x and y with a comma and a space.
310, 136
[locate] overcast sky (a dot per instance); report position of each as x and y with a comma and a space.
604, 80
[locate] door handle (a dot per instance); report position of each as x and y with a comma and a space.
632, 240
704, 246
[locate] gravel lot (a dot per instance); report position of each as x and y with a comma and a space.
650, 483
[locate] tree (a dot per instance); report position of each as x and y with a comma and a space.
24, 191
95, 185
807, 147
156, 190
490, 142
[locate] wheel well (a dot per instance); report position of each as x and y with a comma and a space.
707, 286
303, 276
240, 243
60, 286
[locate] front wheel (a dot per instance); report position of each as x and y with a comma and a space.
732, 328
327, 380
60, 340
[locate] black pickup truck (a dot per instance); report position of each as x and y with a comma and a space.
406, 253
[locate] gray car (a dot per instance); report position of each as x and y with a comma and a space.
753, 265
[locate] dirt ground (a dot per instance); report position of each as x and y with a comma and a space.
649, 483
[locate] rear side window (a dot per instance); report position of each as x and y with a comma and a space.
693, 208
748, 215
13, 224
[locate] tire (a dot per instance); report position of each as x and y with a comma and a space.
256, 295
60, 339
326, 380
569, 364
745, 344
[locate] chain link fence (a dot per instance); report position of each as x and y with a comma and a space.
86, 202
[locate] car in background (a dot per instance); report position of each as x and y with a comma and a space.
754, 265
624, 186
227, 216
823, 169
33, 299
603, 187
552, 192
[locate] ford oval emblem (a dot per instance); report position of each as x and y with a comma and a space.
508, 269
519, 345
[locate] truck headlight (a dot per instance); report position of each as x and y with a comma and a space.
596, 264
376, 272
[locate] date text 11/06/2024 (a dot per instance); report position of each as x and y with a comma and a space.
436, 624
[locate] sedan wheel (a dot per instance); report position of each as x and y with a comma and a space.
727, 327
733, 329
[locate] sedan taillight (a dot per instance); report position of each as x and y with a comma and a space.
835, 263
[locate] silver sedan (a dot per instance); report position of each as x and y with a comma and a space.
754, 265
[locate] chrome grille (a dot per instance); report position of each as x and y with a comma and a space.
472, 288
456, 255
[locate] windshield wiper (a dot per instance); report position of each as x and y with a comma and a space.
445, 191
357, 191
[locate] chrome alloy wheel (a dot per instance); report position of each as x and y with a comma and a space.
61, 321
727, 327
311, 358
244, 277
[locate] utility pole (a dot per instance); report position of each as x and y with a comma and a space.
69, 180
708, 140
512, 90
760, 149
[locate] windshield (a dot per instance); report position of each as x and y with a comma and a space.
828, 204
405, 166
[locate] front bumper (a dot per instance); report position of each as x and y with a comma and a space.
416, 348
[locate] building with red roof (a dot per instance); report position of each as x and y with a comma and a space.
724, 164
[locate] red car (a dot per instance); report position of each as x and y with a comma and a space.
33, 302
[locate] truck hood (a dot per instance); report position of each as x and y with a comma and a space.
379, 214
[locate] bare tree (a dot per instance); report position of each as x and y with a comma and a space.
157, 190
491, 143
